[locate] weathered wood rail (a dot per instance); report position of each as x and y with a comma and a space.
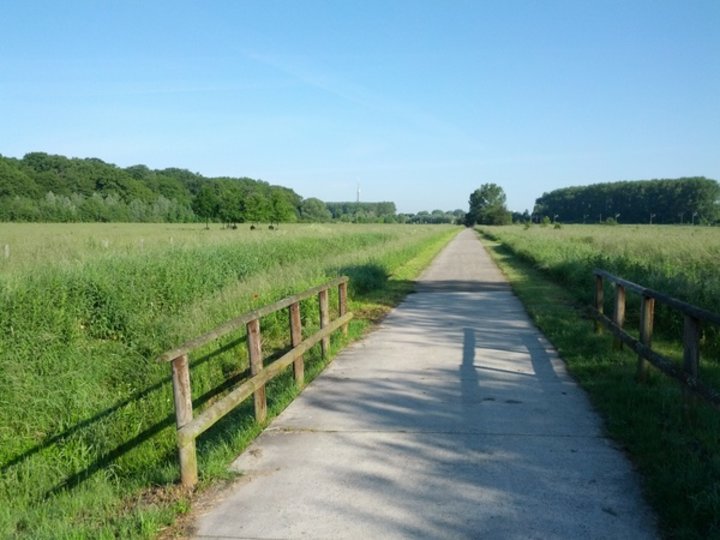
189, 428
688, 376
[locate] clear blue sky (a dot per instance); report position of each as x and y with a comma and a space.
420, 102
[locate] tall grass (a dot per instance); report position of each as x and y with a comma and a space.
86, 414
677, 451
679, 261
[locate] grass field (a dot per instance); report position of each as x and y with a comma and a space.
680, 261
87, 446
678, 453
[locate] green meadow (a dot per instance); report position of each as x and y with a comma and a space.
87, 437
675, 449
681, 261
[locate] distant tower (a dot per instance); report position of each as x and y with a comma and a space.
358, 193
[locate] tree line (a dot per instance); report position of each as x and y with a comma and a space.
385, 212
52, 188
362, 212
44, 187
681, 200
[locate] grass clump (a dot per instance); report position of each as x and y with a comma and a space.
678, 457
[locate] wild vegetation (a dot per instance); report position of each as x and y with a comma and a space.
682, 200
87, 446
385, 212
677, 452
51, 188
43, 187
487, 206
362, 211
683, 264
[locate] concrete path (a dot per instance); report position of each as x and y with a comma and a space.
455, 419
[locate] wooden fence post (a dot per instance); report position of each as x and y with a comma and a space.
647, 315
691, 356
619, 314
295, 340
599, 302
324, 320
184, 415
256, 365
342, 304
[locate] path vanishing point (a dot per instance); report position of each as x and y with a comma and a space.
454, 419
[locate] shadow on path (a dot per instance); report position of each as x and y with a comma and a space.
454, 420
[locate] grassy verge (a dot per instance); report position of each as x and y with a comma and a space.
375, 290
678, 457
679, 261
87, 446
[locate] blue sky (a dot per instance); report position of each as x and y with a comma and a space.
419, 102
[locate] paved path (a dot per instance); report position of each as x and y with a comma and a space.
455, 419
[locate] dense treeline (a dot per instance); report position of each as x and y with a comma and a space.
456, 217
682, 200
43, 187
385, 212
50, 188
362, 212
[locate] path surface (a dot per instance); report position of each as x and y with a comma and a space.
455, 419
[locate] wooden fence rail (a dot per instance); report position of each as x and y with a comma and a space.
693, 315
189, 428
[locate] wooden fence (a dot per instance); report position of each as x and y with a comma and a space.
688, 376
189, 428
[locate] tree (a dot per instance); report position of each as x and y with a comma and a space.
15, 182
487, 206
257, 207
207, 203
232, 204
281, 207
313, 209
